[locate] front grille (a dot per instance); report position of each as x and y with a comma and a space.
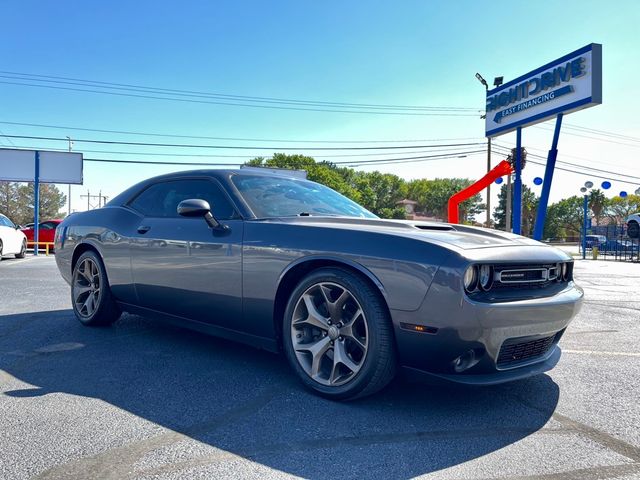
524, 276
515, 350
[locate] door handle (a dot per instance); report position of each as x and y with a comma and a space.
143, 229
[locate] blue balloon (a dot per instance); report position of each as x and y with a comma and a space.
498, 180
623, 194
606, 185
537, 181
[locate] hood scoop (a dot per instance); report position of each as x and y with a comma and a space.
441, 228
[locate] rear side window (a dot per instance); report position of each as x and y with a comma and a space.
4, 221
162, 199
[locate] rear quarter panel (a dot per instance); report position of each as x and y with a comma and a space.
107, 230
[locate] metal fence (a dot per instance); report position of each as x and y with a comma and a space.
611, 242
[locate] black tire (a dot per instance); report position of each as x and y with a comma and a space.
1, 247
376, 363
23, 250
90, 280
633, 229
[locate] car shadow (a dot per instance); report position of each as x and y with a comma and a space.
246, 402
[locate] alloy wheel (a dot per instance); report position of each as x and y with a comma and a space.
86, 287
329, 333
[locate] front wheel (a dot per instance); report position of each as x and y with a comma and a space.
633, 229
90, 293
23, 250
338, 336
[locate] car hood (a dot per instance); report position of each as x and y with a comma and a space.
457, 236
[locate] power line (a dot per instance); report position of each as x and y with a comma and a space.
241, 147
208, 155
186, 100
544, 127
588, 173
201, 137
357, 162
191, 93
602, 132
568, 156
409, 159
584, 167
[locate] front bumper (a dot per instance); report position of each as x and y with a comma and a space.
486, 379
455, 325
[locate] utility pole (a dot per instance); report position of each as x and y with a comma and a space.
90, 197
69, 195
497, 82
488, 186
508, 204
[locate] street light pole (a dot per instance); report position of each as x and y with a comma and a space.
486, 86
585, 207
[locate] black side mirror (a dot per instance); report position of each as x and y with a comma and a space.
195, 207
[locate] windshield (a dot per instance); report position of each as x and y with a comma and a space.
271, 196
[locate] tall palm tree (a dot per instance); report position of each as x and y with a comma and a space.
597, 202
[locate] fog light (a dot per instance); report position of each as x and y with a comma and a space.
465, 361
470, 278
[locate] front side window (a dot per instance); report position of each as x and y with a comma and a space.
286, 197
162, 199
4, 221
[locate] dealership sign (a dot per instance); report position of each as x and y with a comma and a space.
52, 167
565, 85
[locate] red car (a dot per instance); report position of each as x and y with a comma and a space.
45, 234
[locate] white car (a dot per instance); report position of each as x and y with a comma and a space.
633, 225
12, 240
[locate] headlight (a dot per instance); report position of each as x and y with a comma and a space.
486, 277
470, 278
558, 272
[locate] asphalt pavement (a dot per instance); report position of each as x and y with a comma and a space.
145, 400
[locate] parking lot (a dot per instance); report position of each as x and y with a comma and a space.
146, 400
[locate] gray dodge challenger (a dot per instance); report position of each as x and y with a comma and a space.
289, 265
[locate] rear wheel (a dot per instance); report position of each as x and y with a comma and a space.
1, 247
338, 336
633, 229
23, 250
90, 293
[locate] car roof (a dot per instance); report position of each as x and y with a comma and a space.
222, 174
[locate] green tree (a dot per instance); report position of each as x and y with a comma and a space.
597, 202
433, 197
16, 201
377, 192
9, 200
380, 193
617, 209
529, 209
564, 218
324, 172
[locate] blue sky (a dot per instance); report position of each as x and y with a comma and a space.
411, 53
